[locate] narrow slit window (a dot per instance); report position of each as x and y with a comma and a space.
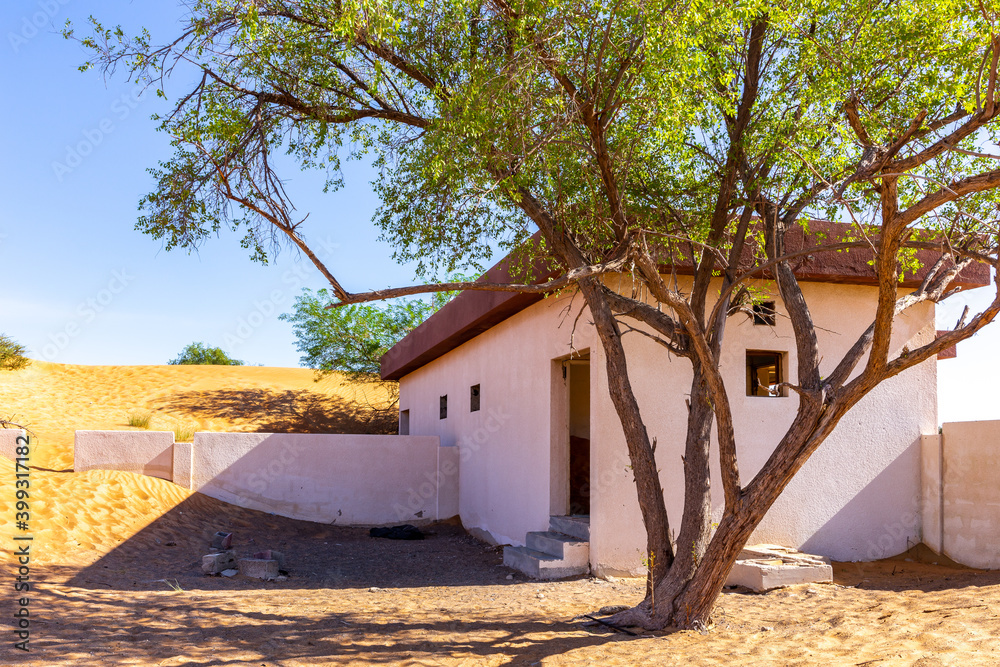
763, 314
444, 407
404, 422
764, 374
474, 398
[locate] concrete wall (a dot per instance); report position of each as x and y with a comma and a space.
342, 479
857, 499
146, 452
962, 493
8, 441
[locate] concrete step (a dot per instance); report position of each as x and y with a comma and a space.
575, 526
573, 551
540, 565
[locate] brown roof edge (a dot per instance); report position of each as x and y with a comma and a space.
463, 318
474, 311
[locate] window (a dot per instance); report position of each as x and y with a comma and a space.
474, 398
444, 407
763, 314
404, 422
764, 372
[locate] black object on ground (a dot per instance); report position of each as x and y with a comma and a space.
404, 532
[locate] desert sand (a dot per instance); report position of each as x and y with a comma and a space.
115, 564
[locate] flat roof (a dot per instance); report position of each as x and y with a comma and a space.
474, 311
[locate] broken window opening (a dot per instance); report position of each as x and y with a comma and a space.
764, 374
764, 314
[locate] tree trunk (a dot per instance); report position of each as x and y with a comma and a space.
640, 450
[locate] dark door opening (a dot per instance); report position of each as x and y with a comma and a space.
579, 436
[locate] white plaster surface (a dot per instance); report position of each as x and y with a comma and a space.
858, 498
8, 441
971, 493
183, 460
341, 479
146, 452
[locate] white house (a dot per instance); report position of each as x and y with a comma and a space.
518, 383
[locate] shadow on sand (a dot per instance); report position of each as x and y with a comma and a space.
288, 411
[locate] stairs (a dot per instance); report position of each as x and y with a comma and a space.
561, 551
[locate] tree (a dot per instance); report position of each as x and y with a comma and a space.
12, 354
352, 339
637, 138
198, 354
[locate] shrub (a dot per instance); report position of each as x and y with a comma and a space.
198, 354
12, 354
139, 419
184, 433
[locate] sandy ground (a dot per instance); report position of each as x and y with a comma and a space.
54, 400
115, 567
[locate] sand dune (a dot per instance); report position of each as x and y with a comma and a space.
54, 400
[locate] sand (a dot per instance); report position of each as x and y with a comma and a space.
54, 400
116, 557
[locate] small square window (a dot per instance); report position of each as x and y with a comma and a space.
474, 398
444, 407
763, 314
764, 374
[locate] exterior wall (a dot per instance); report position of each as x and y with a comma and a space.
8, 441
858, 498
965, 497
505, 446
342, 479
146, 452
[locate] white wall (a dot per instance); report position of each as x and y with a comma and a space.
8, 441
145, 452
341, 479
962, 493
327, 478
858, 498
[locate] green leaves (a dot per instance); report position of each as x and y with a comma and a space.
199, 354
352, 339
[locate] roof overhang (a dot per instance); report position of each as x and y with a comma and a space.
474, 311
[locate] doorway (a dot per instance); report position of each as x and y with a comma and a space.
579, 436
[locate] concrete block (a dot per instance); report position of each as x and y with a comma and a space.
216, 563
764, 567
222, 540
270, 554
259, 568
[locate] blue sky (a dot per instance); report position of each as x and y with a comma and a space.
81, 286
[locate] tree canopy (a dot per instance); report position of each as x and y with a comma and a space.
199, 354
635, 138
352, 339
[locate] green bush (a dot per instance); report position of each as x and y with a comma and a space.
197, 354
12, 354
